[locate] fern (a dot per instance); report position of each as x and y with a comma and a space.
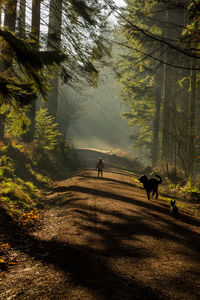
46, 130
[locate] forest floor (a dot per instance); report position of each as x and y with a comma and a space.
101, 239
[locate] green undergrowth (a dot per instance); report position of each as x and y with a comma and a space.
25, 170
18, 197
19, 188
188, 190
186, 194
183, 204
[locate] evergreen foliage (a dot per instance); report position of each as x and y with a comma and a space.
137, 76
22, 86
25, 68
46, 132
17, 122
81, 21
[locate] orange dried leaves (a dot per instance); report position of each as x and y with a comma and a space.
30, 219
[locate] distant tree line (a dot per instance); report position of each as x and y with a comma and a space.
159, 72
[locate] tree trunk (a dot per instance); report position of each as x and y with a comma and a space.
192, 121
54, 43
158, 99
0, 15
35, 24
184, 120
10, 23
198, 123
22, 16
155, 145
10, 14
166, 101
35, 34
166, 116
171, 86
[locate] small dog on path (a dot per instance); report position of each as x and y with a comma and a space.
150, 185
174, 208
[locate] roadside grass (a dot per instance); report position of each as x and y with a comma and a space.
129, 172
18, 198
187, 196
133, 174
183, 205
20, 194
25, 170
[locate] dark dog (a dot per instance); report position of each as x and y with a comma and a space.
150, 185
174, 209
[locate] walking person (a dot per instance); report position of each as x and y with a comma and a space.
100, 167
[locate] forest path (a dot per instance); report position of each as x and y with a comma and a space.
101, 240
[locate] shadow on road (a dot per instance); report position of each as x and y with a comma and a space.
87, 267
149, 204
109, 180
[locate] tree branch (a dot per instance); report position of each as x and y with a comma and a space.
157, 59
150, 36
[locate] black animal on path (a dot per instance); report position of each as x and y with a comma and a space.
174, 208
150, 185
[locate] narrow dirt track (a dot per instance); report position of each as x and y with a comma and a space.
102, 239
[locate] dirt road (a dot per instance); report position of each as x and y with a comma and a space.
102, 239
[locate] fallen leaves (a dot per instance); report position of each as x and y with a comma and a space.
30, 219
4, 248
